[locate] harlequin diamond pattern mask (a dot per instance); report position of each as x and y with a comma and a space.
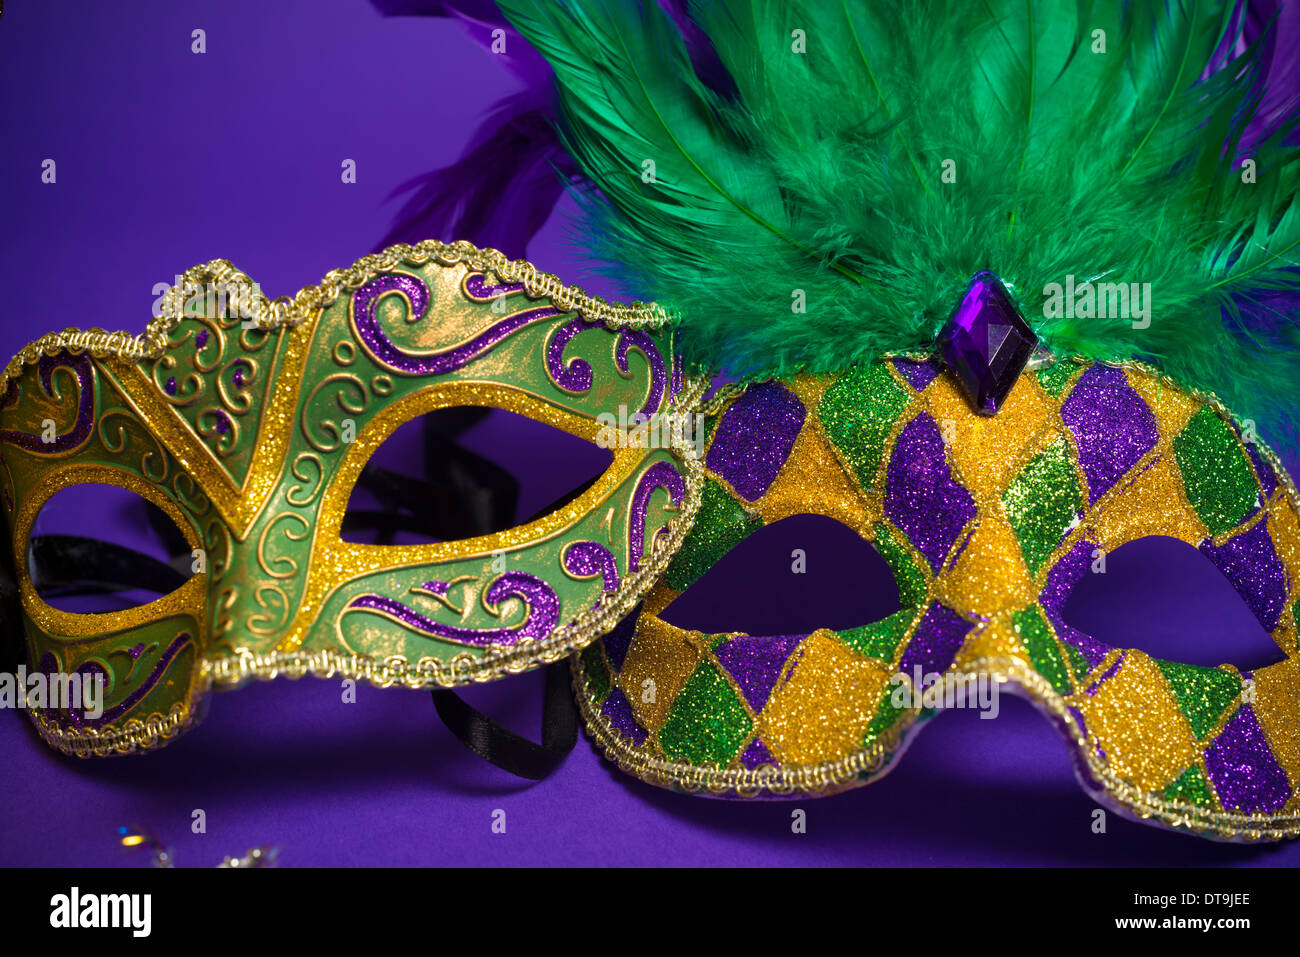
983, 270
247, 423
985, 533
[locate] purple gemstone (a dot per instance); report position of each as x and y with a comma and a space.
201, 339
223, 422
170, 385
238, 376
986, 343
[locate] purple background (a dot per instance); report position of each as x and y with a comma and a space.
167, 159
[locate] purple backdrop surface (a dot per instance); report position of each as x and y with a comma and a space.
166, 158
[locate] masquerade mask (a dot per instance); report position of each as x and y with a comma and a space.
247, 423
824, 180
986, 532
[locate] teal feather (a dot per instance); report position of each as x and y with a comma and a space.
822, 171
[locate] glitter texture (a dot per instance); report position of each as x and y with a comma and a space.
1042, 503
1219, 480
1243, 770
539, 600
660, 475
918, 374
366, 300
85, 414
619, 713
720, 526
921, 497
935, 642
755, 663
1203, 694
1112, 427
707, 723
858, 412
754, 438
986, 535
1250, 563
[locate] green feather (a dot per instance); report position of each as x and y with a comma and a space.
823, 173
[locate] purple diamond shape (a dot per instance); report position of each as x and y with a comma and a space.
986, 343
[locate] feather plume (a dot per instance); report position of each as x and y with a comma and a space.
1096, 140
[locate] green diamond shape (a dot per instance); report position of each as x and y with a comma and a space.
1203, 694
593, 669
1053, 378
1078, 662
858, 411
1042, 502
884, 718
1190, 787
908, 576
707, 722
720, 525
1218, 477
879, 639
1038, 640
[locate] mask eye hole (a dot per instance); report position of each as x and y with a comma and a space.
757, 589
99, 548
466, 471
1164, 597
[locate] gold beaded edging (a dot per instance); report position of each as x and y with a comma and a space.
136, 735
145, 734
812, 780
286, 311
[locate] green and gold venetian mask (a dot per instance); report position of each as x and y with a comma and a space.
248, 422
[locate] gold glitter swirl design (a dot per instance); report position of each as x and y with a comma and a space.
117, 438
349, 395
307, 467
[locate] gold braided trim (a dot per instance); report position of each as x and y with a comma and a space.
871, 763
286, 311
812, 780
137, 735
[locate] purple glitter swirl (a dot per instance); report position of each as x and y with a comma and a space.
660, 475
538, 597
586, 559
634, 338
131, 700
382, 348
80, 365
574, 376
